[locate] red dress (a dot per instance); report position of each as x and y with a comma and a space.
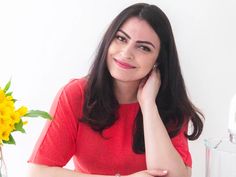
64, 137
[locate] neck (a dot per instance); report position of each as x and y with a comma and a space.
126, 92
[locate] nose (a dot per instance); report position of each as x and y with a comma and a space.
127, 51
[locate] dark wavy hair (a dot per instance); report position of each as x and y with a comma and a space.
175, 108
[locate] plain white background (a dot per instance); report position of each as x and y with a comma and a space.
44, 44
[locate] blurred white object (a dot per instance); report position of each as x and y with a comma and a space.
232, 120
220, 158
221, 153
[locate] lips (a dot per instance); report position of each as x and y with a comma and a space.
123, 64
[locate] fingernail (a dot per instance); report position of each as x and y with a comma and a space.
164, 171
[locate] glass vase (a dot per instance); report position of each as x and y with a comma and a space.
3, 168
220, 157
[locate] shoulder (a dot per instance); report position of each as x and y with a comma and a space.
75, 85
74, 89
71, 96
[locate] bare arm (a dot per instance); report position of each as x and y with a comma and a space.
160, 153
36, 170
189, 171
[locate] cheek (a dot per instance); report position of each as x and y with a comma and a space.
111, 49
148, 63
110, 53
144, 71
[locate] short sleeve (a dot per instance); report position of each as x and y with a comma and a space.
57, 142
180, 142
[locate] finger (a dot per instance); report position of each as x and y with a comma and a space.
157, 172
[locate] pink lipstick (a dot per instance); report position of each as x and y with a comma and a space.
123, 64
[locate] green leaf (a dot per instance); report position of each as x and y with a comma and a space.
38, 113
19, 127
7, 86
10, 141
9, 94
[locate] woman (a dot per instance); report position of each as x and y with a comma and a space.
129, 116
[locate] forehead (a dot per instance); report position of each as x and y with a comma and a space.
139, 29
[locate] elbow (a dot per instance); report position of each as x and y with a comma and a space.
186, 172
180, 171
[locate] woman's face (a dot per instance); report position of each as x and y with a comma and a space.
133, 52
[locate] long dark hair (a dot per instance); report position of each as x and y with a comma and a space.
175, 108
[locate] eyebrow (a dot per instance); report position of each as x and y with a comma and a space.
146, 42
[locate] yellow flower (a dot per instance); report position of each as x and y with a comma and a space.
9, 103
5, 120
9, 98
5, 111
2, 95
5, 133
11, 118
22, 110
15, 117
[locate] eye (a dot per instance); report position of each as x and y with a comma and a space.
120, 38
145, 48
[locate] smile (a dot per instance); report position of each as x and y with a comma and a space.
124, 65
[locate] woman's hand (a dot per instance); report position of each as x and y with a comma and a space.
149, 87
149, 173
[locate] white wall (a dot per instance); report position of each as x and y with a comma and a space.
43, 44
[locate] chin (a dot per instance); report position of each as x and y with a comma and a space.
125, 78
